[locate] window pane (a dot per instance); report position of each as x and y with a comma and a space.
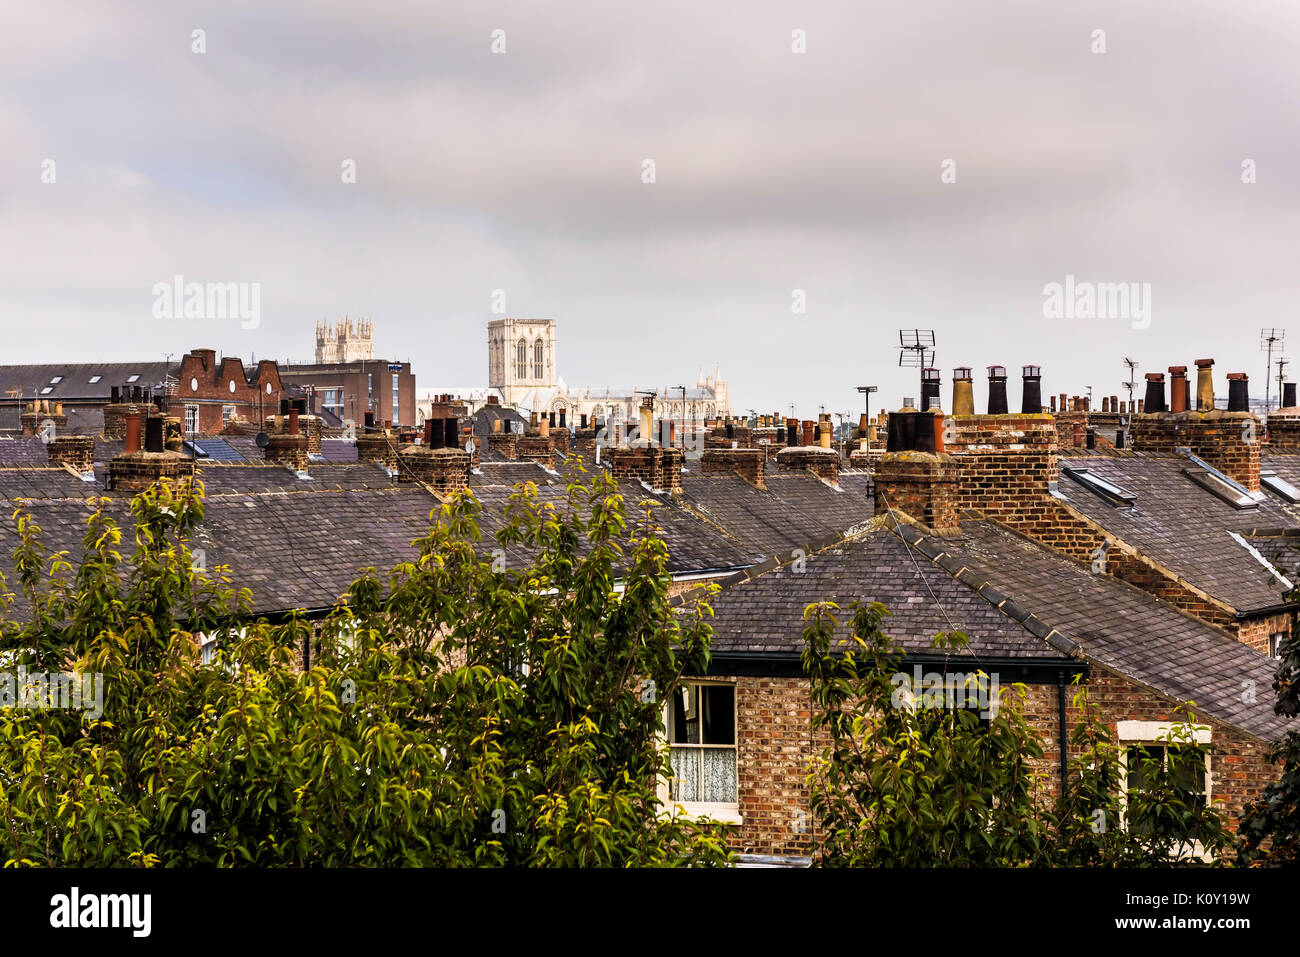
719, 774
686, 774
685, 718
718, 702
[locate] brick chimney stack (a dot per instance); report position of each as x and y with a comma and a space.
1227, 440
747, 463
445, 470
75, 452
911, 477
136, 469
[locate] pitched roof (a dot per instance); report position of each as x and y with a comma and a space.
1014, 599
1119, 626
765, 613
1182, 526
792, 511
74, 378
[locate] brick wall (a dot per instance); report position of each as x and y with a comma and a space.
775, 750
824, 463
1284, 429
137, 471
1229, 441
921, 484
444, 470
536, 448
378, 449
660, 468
76, 451
287, 450
1256, 631
115, 416
747, 463
504, 443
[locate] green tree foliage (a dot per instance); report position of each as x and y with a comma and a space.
455, 713
1270, 828
908, 781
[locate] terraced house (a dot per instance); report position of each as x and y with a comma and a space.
1150, 565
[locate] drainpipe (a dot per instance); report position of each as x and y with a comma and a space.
1064, 741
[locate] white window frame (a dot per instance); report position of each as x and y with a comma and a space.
725, 812
1159, 734
208, 644
191, 420
227, 413
1275, 644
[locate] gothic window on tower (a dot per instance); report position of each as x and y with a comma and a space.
521, 360
539, 360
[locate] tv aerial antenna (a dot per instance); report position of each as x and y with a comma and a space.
916, 348
1269, 339
1131, 384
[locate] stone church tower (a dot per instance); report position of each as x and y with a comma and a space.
344, 343
521, 360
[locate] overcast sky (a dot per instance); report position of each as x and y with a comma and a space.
775, 171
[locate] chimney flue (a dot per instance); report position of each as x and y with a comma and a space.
153, 440
1178, 388
1288, 395
451, 432
997, 390
963, 391
929, 386
1238, 392
1155, 399
1204, 385
1032, 401
132, 443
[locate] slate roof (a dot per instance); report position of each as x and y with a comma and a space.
338, 450
1118, 625
299, 543
76, 376
504, 472
23, 450
1015, 600
1183, 527
792, 511
216, 449
764, 614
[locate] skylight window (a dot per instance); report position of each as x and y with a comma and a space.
95, 378
133, 378
56, 380
1106, 490
47, 390
1280, 486
1228, 492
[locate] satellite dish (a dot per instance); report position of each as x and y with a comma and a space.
469, 446
262, 440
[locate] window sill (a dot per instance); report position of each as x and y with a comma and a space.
697, 811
